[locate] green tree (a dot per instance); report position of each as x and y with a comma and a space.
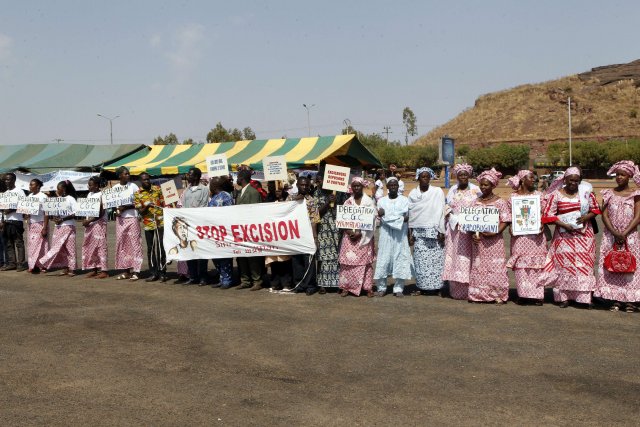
557, 153
507, 158
220, 134
590, 155
249, 133
170, 139
188, 141
409, 121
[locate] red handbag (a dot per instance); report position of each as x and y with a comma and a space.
620, 260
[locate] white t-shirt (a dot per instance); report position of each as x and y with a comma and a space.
379, 190
400, 187
73, 206
129, 213
15, 216
40, 216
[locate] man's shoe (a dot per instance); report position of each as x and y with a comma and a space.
163, 278
256, 287
311, 291
244, 286
190, 282
216, 285
203, 283
153, 278
7, 268
19, 269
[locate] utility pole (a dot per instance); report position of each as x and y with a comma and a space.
387, 130
570, 154
58, 140
308, 107
111, 119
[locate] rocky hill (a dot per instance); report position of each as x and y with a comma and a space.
605, 104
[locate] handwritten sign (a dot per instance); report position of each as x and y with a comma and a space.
169, 192
89, 207
117, 196
57, 206
29, 206
525, 214
217, 165
355, 217
570, 218
336, 178
9, 200
478, 218
275, 168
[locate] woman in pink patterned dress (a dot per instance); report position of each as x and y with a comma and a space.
457, 246
528, 252
621, 216
571, 256
38, 243
488, 280
357, 251
94, 245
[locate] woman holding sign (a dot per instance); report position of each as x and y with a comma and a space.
573, 247
94, 246
457, 244
488, 281
357, 251
128, 234
621, 216
63, 243
528, 251
37, 243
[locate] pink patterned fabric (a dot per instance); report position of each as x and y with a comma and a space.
462, 167
128, 244
356, 262
355, 278
514, 181
528, 257
62, 253
94, 246
493, 176
625, 166
488, 279
182, 268
458, 290
37, 246
571, 256
559, 182
457, 256
617, 286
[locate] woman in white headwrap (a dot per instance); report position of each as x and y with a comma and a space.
457, 244
528, 252
571, 256
426, 223
621, 216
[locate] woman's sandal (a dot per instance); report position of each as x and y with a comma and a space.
630, 308
123, 276
370, 294
615, 307
344, 293
416, 293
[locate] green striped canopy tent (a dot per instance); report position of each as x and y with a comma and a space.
43, 158
342, 150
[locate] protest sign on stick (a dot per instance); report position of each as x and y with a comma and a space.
336, 178
169, 192
355, 217
217, 165
275, 168
479, 219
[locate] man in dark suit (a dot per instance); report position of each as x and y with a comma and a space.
251, 268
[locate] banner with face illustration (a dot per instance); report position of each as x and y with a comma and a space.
238, 231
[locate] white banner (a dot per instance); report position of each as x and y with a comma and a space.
355, 217
88, 207
238, 231
117, 196
478, 218
525, 215
57, 206
50, 180
29, 206
9, 200
275, 168
217, 165
336, 178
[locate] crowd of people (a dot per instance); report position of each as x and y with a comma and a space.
473, 264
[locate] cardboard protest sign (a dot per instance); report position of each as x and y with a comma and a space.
29, 206
336, 178
217, 165
57, 206
89, 207
169, 192
235, 231
10, 199
479, 218
275, 168
355, 217
117, 196
525, 215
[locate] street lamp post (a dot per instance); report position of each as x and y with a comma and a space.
308, 107
111, 119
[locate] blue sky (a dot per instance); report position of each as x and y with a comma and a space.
182, 66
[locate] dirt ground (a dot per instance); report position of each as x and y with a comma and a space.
78, 351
